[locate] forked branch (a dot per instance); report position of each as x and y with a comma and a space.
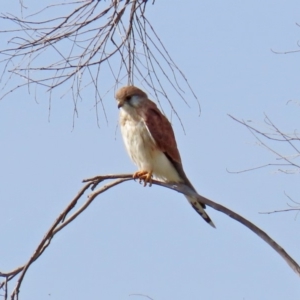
269, 138
66, 217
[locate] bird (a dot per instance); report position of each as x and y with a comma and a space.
150, 142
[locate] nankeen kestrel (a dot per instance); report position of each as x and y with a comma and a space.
150, 142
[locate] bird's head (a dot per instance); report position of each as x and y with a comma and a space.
130, 97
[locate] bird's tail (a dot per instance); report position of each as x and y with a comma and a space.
199, 208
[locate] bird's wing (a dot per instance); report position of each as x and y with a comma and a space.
161, 131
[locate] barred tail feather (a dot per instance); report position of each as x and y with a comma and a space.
199, 208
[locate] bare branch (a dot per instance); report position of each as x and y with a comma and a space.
285, 52
280, 210
187, 191
68, 50
292, 207
92, 183
274, 134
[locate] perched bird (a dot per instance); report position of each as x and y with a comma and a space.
150, 142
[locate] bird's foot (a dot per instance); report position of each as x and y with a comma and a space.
143, 176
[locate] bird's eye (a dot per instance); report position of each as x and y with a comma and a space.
128, 98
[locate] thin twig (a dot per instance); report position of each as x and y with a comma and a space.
274, 134
68, 50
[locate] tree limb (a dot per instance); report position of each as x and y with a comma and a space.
91, 183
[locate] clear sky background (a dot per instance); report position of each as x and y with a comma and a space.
135, 240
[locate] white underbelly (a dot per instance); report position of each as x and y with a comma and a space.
144, 153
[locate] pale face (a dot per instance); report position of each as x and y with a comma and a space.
130, 103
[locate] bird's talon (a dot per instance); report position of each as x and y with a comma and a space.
143, 176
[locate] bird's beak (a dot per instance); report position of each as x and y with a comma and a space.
120, 104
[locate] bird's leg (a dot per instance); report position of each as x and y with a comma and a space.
145, 176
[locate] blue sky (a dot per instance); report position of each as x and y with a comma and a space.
135, 240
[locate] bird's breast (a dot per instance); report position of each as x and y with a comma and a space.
138, 142
143, 150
